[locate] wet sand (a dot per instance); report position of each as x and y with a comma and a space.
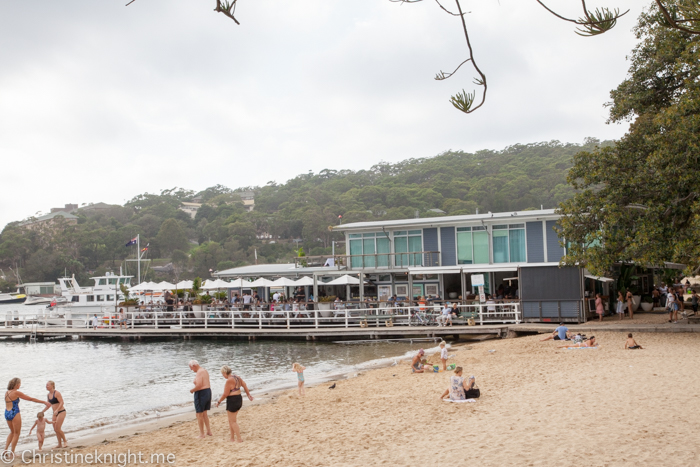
540, 406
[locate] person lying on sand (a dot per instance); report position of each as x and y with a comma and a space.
589, 343
559, 334
416, 364
631, 344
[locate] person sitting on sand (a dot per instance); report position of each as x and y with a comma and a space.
589, 343
631, 344
460, 389
559, 334
416, 364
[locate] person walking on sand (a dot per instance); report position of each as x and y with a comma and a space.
620, 305
59, 413
12, 415
40, 425
672, 307
599, 309
443, 355
631, 344
628, 297
202, 397
299, 370
234, 400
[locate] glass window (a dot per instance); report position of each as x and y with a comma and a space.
408, 242
401, 246
356, 249
355, 235
368, 235
464, 229
500, 227
90, 298
100, 298
517, 245
415, 243
102, 282
383, 246
465, 255
112, 280
128, 281
368, 248
110, 298
500, 246
415, 232
481, 247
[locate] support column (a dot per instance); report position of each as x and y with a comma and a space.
362, 287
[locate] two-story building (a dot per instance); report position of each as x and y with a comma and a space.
437, 256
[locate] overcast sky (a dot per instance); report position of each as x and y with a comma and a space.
101, 102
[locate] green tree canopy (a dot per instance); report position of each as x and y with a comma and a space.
639, 200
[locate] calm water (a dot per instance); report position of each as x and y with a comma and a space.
111, 382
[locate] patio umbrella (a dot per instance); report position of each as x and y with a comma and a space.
283, 282
143, 286
344, 280
217, 284
237, 284
262, 282
184, 285
304, 281
164, 286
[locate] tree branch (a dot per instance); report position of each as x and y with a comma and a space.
673, 22
228, 9
593, 22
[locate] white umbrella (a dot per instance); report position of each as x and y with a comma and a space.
143, 286
217, 284
283, 282
164, 286
344, 280
184, 285
237, 284
304, 281
262, 282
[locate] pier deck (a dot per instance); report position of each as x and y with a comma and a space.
310, 333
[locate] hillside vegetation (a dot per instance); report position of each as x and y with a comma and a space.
223, 234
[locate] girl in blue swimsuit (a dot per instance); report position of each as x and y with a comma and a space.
12, 415
299, 370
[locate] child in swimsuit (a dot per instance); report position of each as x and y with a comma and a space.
443, 355
631, 344
40, 425
299, 370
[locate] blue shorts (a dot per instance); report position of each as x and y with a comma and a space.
202, 400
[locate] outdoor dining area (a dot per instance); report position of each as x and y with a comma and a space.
288, 303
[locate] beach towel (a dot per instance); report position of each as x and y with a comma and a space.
460, 401
577, 348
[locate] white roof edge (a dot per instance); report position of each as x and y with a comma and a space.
423, 221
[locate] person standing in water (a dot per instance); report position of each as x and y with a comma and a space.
12, 415
234, 400
299, 370
202, 397
59, 413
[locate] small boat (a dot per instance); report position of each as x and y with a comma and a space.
12, 298
38, 300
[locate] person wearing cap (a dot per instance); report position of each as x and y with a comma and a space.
417, 365
559, 334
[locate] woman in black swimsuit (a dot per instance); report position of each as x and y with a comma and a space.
59, 413
234, 399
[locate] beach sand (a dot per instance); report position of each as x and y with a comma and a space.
540, 406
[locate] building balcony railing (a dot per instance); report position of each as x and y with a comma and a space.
372, 261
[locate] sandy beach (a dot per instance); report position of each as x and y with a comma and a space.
540, 406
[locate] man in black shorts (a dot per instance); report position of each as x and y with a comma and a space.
202, 397
560, 334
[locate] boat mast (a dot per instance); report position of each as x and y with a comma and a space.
138, 254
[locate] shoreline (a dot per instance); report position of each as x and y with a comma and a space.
91, 437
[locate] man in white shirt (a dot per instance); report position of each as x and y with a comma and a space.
246, 301
276, 297
446, 315
672, 307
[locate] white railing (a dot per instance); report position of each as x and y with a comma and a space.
338, 317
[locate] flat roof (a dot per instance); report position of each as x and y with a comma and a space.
546, 214
288, 269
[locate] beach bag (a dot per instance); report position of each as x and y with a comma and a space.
473, 393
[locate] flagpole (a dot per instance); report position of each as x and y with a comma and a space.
138, 253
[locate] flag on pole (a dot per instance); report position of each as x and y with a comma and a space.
144, 249
132, 241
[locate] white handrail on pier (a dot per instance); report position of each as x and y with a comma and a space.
341, 317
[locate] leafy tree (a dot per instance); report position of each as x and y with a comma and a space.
171, 237
639, 199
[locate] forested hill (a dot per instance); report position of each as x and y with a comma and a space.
224, 234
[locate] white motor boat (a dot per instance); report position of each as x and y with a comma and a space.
6, 298
84, 302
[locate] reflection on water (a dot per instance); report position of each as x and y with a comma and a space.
110, 381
